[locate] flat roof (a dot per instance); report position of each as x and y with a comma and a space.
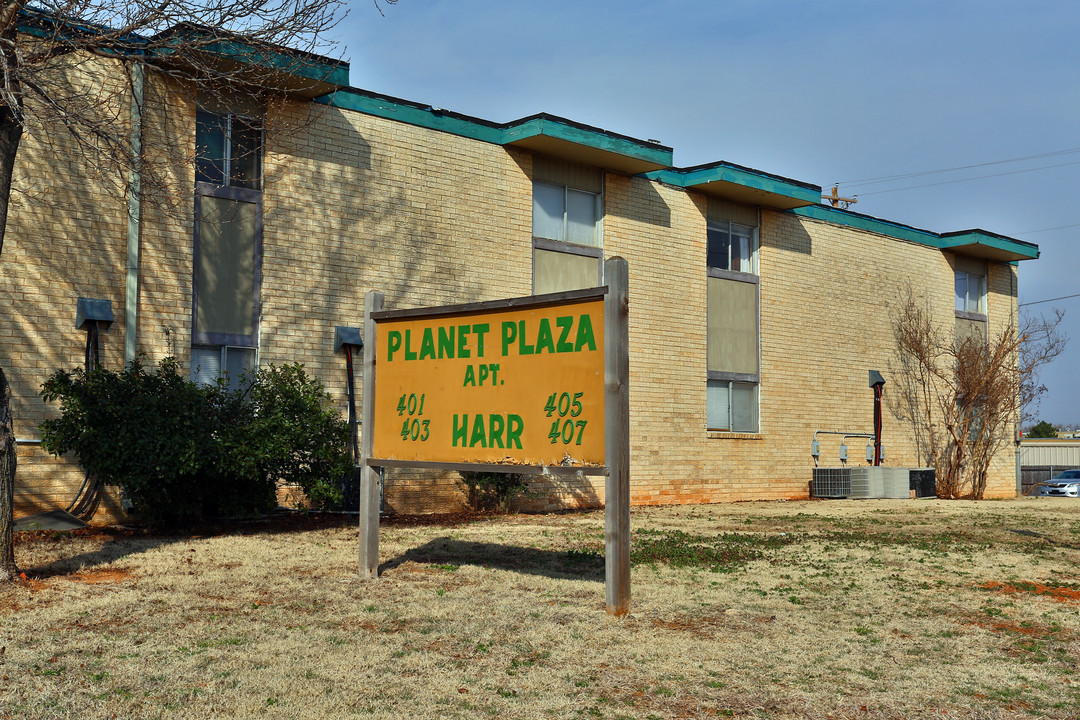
741, 184
977, 243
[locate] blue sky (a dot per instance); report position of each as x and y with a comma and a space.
821, 92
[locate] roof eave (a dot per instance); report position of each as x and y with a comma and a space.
586, 145
983, 244
744, 185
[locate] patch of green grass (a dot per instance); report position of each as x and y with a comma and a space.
720, 553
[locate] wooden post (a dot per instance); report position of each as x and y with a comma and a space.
617, 442
370, 478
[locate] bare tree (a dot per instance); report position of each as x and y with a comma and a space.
963, 395
1042, 343
70, 69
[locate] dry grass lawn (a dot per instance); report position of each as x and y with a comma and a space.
843, 609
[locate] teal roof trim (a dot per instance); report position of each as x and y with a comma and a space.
992, 241
737, 175
312, 67
234, 48
534, 126
213, 43
414, 114
562, 129
972, 242
872, 224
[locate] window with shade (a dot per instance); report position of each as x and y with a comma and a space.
566, 228
733, 379
228, 248
970, 298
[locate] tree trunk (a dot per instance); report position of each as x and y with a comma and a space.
8, 570
11, 131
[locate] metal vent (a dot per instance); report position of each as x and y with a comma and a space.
880, 482
831, 483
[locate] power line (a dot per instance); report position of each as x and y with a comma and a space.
978, 177
1059, 227
904, 176
1039, 302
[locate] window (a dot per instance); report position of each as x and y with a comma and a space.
209, 364
566, 227
970, 294
228, 150
732, 406
732, 247
227, 247
731, 397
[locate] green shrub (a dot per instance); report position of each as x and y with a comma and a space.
292, 437
182, 452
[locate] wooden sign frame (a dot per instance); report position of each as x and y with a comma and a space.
616, 468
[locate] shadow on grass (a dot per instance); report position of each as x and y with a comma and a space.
117, 542
119, 545
560, 565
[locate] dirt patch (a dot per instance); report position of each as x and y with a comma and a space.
99, 577
32, 584
1061, 594
1011, 627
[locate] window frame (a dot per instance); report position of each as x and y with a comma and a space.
227, 119
753, 277
731, 381
716, 225
980, 313
565, 246
223, 371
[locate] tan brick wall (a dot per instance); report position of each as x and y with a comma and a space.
64, 240
353, 203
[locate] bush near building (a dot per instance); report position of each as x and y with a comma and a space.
184, 452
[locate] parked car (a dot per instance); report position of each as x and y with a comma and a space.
1064, 484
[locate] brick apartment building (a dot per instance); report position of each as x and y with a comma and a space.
756, 311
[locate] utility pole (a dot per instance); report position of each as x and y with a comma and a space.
838, 201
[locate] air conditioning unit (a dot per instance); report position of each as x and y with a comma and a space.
880, 482
866, 483
923, 481
831, 482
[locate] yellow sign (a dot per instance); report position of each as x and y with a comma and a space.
518, 386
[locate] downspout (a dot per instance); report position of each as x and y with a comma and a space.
1014, 281
131, 296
